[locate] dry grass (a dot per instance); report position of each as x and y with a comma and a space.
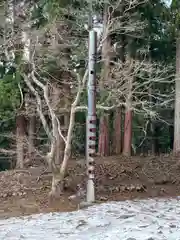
117, 178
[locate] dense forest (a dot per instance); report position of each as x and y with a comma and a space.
43, 80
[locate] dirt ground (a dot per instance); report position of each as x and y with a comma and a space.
23, 192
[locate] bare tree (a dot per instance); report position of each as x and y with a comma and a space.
130, 89
56, 45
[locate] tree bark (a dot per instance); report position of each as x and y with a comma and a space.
117, 141
128, 109
152, 125
20, 140
103, 145
59, 149
127, 133
9, 32
59, 152
176, 147
31, 137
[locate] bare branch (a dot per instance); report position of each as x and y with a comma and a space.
7, 151
39, 104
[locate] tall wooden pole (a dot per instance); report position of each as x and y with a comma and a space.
91, 118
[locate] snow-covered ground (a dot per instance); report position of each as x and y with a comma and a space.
129, 220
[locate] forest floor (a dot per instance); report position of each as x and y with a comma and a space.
24, 192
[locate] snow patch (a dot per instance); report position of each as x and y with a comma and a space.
130, 220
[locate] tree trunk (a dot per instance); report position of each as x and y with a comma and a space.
31, 137
176, 147
59, 175
56, 186
20, 140
153, 142
9, 32
129, 98
103, 145
152, 125
117, 141
59, 141
106, 49
56, 176
127, 133
59, 149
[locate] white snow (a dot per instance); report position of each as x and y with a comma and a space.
129, 220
